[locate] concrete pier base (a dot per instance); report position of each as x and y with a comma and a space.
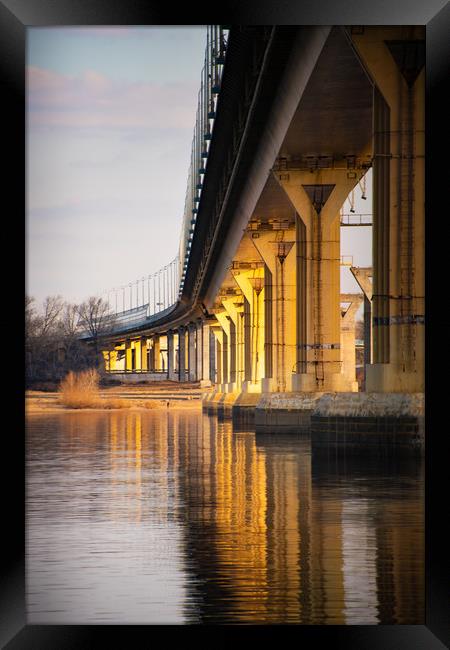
210, 401
243, 410
225, 405
285, 412
377, 423
138, 377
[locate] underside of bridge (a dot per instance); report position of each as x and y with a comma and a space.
303, 114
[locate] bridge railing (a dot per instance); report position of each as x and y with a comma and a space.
145, 296
216, 45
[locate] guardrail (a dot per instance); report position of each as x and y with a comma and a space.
211, 77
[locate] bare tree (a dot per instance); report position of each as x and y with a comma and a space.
52, 308
95, 318
52, 345
70, 319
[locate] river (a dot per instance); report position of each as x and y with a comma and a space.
171, 517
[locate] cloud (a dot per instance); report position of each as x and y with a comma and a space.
91, 100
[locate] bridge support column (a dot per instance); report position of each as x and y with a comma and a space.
251, 283
107, 359
128, 356
199, 349
317, 197
277, 249
137, 354
192, 354
348, 338
363, 277
144, 354
226, 349
112, 359
218, 356
171, 372
212, 356
395, 57
233, 306
204, 353
182, 354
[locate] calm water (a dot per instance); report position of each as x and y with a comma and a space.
159, 517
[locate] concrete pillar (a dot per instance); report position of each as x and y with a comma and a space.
251, 283
112, 360
137, 354
144, 354
192, 353
348, 337
199, 349
317, 196
212, 355
218, 336
128, 356
363, 276
234, 306
156, 353
106, 360
227, 369
182, 353
205, 354
247, 342
171, 373
394, 57
277, 249
120, 364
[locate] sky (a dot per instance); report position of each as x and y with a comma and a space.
110, 119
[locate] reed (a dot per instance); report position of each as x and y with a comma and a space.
79, 390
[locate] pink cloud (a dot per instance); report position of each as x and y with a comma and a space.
93, 100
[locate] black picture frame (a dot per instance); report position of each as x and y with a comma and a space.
15, 17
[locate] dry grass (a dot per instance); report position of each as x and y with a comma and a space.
114, 403
80, 390
151, 404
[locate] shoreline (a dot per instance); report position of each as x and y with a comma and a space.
139, 398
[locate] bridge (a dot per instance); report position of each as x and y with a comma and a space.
289, 121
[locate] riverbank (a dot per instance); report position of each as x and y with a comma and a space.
158, 395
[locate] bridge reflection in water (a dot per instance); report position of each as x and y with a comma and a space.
171, 517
